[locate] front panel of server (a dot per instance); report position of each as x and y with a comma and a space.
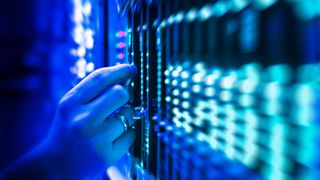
228, 89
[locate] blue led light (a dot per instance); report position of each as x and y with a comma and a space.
179, 17
191, 15
263, 4
205, 12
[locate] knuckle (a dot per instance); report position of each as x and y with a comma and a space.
99, 75
121, 92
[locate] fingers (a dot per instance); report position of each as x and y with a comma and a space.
104, 105
123, 143
113, 127
110, 130
99, 80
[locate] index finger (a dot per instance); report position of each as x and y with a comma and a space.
97, 81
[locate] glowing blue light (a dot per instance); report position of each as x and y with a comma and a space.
304, 94
87, 8
221, 8
209, 91
228, 82
272, 107
184, 74
163, 24
248, 85
210, 79
176, 92
273, 90
185, 104
191, 15
170, 20
90, 67
176, 101
238, 5
77, 34
81, 51
306, 10
77, 15
179, 17
263, 4
205, 12
174, 82
251, 119
279, 73
246, 100
175, 73
226, 96
197, 77
184, 84
196, 88
186, 94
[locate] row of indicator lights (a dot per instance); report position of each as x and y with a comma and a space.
176, 111
83, 37
305, 10
248, 80
121, 35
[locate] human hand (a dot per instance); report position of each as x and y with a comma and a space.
82, 140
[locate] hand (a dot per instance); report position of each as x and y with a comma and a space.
83, 140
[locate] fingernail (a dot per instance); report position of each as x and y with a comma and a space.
134, 69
